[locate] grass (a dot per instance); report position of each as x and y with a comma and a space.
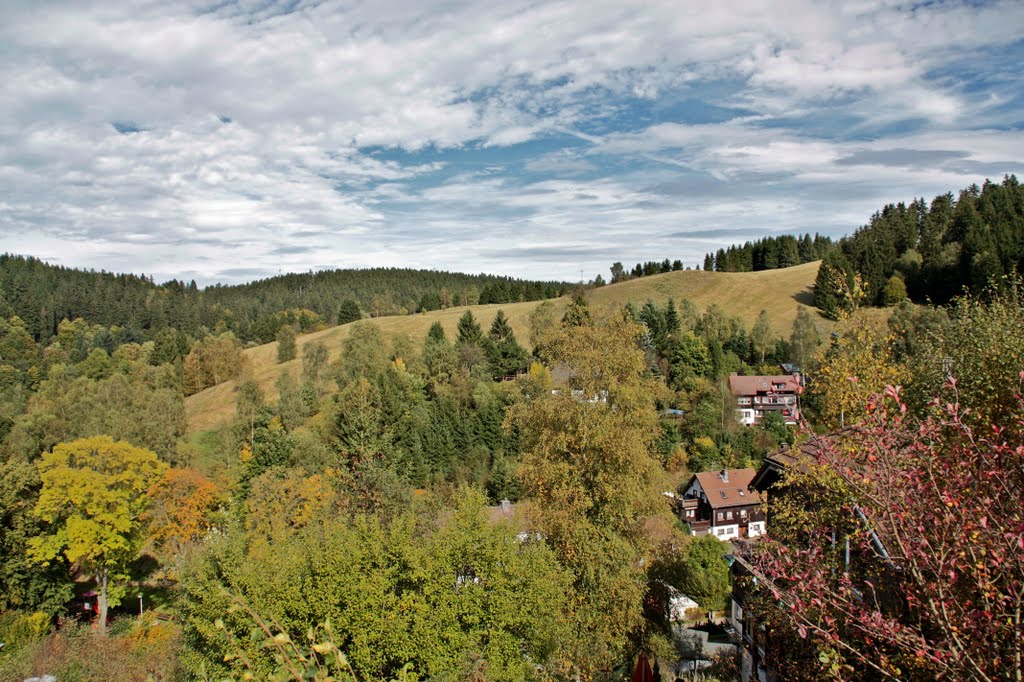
743, 294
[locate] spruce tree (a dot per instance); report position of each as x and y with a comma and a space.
349, 312
469, 330
436, 332
286, 343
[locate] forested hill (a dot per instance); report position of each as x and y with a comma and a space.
42, 295
928, 252
378, 291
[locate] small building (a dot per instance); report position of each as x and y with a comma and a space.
722, 504
757, 396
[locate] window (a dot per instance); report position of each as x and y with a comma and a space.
743, 513
720, 516
729, 516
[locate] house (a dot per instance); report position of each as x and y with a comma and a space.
720, 503
757, 396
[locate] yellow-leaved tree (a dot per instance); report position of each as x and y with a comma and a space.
858, 364
587, 473
93, 497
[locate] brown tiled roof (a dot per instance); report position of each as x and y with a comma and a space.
752, 385
731, 493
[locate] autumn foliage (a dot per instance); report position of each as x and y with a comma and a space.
182, 501
934, 584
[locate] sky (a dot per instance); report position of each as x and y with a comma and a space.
226, 141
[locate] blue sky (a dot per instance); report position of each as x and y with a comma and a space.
225, 141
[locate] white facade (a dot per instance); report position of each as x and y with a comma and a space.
678, 605
725, 532
746, 416
755, 528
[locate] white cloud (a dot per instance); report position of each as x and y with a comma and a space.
307, 91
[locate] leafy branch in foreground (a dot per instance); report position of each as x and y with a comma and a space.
319, 659
933, 585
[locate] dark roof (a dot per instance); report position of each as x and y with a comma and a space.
732, 493
798, 457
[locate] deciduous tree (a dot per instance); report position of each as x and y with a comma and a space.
587, 469
93, 497
182, 503
285, 343
935, 586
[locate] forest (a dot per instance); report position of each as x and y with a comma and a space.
927, 252
42, 295
477, 506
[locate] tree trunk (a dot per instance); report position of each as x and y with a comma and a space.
101, 602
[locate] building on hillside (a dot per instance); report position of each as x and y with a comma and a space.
757, 396
720, 503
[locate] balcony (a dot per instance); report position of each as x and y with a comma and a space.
699, 526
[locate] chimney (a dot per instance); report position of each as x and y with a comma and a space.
725, 475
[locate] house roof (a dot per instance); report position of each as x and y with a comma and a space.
734, 492
751, 385
798, 457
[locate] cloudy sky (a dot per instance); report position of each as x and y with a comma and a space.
230, 140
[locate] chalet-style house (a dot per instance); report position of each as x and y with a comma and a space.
757, 396
720, 503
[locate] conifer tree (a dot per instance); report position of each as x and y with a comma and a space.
349, 312
436, 332
285, 343
469, 330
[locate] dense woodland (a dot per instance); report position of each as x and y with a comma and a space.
929, 252
42, 295
352, 528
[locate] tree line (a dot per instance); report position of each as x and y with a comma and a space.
769, 253
42, 295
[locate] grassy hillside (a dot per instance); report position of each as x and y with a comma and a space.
742, 294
